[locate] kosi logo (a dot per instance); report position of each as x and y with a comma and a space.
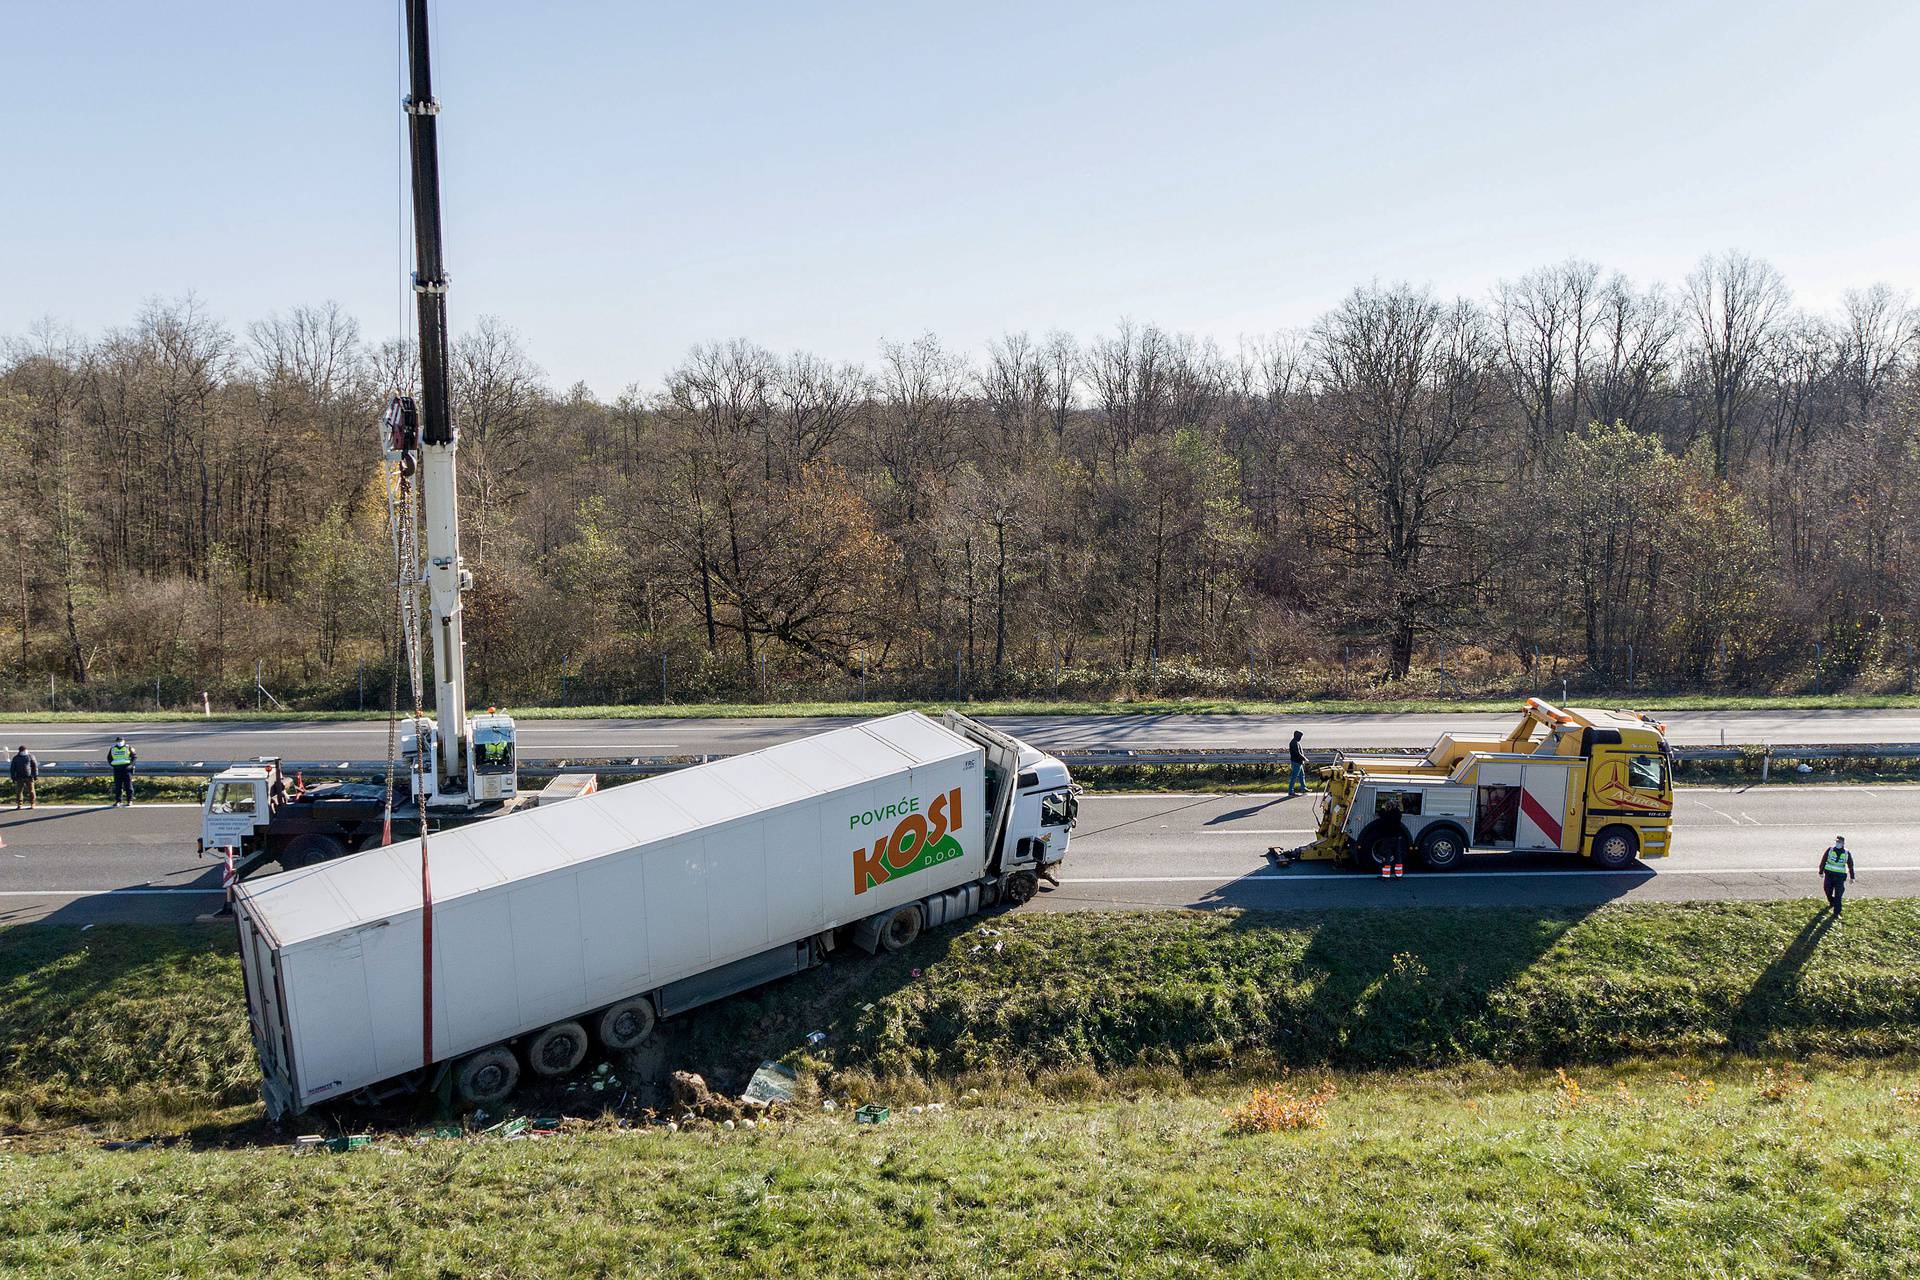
918, 840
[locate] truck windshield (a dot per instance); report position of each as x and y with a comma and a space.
232, 797
493, 750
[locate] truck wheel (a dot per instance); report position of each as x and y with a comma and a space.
1615, 847
900, 930
486, 1077
309, 850
627, 1025
1021, 886
1441, 848
558, 1049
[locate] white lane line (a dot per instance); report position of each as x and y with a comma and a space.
1281, 877
100, 893
1254, 831
143, 804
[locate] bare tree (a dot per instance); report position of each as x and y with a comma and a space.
1736, 304
1545, 321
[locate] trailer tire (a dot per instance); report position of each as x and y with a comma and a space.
558, 1049
1442, 848
901, 930
486, 1077
310, 850
627, 1025
1615, 848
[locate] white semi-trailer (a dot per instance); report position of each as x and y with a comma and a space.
595, 917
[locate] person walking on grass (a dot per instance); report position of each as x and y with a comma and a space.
1836, 868
122, 757
25, 772
1297, 767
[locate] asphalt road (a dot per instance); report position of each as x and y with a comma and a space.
216, 740
86, 864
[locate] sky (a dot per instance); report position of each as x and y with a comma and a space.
623, 180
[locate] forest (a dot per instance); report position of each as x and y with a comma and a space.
1692, 485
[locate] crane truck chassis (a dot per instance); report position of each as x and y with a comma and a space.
1594, 783
592, 919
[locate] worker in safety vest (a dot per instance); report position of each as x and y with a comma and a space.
122, 757
1836, 868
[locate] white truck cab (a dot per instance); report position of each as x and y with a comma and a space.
1046, 804
492, 771
237, 803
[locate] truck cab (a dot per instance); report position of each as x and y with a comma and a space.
237, 803
492, 770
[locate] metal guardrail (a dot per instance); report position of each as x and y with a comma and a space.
1082, 759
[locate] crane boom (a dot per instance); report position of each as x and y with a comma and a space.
439, 439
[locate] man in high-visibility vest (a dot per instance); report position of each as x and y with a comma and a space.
1836, 868
122, 757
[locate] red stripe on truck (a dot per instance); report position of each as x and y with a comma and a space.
1549, 826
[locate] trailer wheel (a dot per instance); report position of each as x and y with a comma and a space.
627, 1025
901, 929
1441, 848
1615, 848
308, 850
486, 1077
1021, 886
558, 1049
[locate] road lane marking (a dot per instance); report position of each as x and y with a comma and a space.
99, 893
1438, 876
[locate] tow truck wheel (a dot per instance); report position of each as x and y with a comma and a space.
900, 930
1615, 848
306, 851
1021, 886
486, 1077
626, 1025
558, 1049
1441, 848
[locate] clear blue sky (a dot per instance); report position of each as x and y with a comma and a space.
625, 179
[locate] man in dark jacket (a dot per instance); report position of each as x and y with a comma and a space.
1296, 767
122, 757
1836, 868
25, 772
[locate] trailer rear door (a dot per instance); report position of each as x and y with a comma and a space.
266, 1017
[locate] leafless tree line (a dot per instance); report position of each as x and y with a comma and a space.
1691, 485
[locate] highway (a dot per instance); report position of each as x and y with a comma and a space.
337, 741
89, 864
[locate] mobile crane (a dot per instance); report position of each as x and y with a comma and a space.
459, 769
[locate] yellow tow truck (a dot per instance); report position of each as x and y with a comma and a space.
1594, 783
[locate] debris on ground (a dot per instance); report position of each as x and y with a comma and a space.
689, 1094
871, 1114
770, 1084
815, 1037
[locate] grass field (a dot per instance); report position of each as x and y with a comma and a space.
1644, 700
1641, 1172
140, 1029
1638, 1091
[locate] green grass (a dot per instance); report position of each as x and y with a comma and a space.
1497, 1174
1011, 707
142, 1027
147, 789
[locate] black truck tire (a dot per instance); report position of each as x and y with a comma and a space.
558, 1049
1021, 886
486, 1077
627, 1025
310, 850
1614, 848
1442, 848
901, 930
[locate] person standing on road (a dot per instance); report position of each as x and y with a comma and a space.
1836, 868
25, 772
122, 757
1297, 771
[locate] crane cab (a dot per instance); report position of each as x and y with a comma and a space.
493, 771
